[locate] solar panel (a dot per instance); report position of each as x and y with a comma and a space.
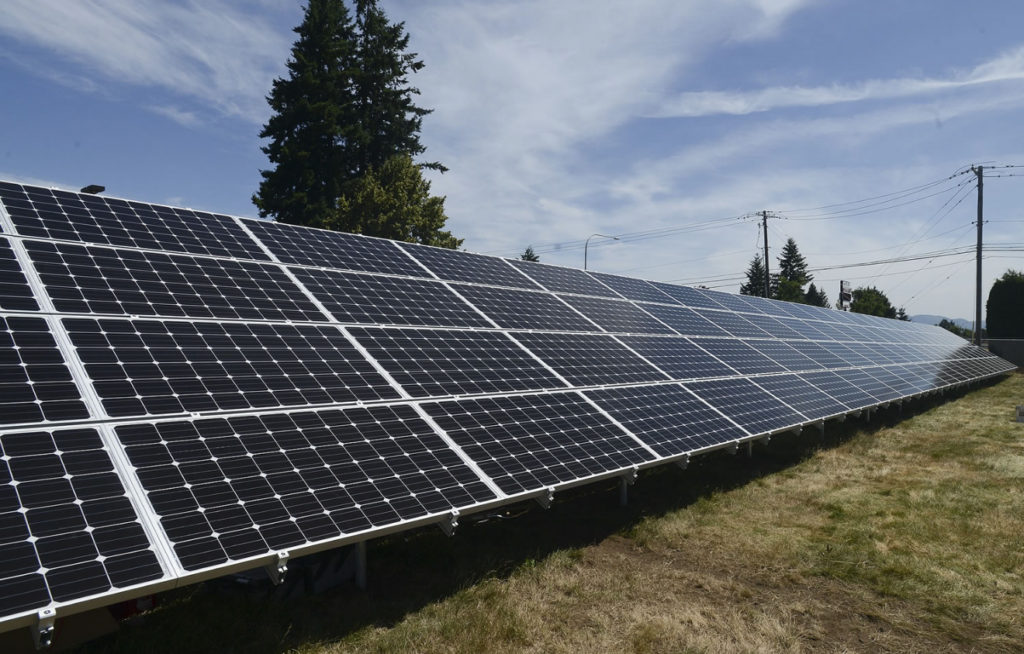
530, 442
457, 266
65, 216
746, 404
67, 529
590, 360
97, 280
519, 309
563, 280
36, 385
436, 363
668, 418
678, 357
148, 367
379, 300
617, 315
228, 489
319, 248
184, 392
15, 293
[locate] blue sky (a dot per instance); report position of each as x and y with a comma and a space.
562, 119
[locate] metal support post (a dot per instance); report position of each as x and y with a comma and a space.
42, 631
623, 491
361, 565
750, 449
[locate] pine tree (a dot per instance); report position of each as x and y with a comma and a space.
529, 254
901, 314
755, 278
312, 127
792, 274
388, 120
816, 298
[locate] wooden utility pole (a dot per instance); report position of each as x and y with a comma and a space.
980, 172
767, 275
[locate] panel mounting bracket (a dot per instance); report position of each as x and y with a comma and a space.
547, 498
630, 475
42, 631
684, 462
764, 440
449, 523
734, 447
797, 430
278, 569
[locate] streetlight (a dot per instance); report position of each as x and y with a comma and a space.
585, 245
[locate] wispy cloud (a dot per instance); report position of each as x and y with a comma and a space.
1007, 67
183, 118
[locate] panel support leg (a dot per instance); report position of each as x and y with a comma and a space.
623, 491
750, 449
361, 565
42, 631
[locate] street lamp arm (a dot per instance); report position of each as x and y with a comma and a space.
587, 244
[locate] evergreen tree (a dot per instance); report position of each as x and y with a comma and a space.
901, 314
313, 123
816, 298
395, 203
755, 278
792, 274
873, 302
388, 120
529, 254
1004, 311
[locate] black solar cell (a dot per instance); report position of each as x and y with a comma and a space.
678, 357
67, 529
668, 418
146, 367
379, 300
518, 309
802, 396
590, 360
617, 316
840, 389
785, 356
230, 489
15, 293
458, 266
747, 404
633, 289
688, 296
685, 321
869, 384
529, 442
66, 216
740, 356
734, 324
436, 363
563, 280
82, 279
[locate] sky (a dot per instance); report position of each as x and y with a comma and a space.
660, 121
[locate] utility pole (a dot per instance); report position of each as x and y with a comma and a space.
767, 276
980, 172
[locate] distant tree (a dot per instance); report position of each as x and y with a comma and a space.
901, 314
792, 274
873, 302
816, 298
962, 332
1005, 307
529, 254
395, 203
755, 278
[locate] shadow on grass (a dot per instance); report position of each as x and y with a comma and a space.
414, 569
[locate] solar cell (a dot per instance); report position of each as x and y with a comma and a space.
518, 309
869, 384
731, 302
784, 355
895, 378
688, 296
824, 356
458, 266
15, 293
530, 442
67, 528
774, 327
563, 280
617, 315
81, 279
805, 329
66, 216
306, 246
685, 321
840, 389
433, 363
590, 360
230, 489
802, 396
678, 357
746, 404
633, 289
668, 418
379, 300
740, 356
35, 382
776, 308
147, 367
734, 324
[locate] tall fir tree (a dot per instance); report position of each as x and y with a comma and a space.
792, 273
529, 255
816, 298
311, 130
755, 278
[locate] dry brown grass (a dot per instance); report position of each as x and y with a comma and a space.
902, 537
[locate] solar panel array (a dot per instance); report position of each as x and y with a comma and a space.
185, 394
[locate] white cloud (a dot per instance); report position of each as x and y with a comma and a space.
182, 117
1007, 67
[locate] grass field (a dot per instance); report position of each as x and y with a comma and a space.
905, 534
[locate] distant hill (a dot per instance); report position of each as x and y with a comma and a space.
934, 320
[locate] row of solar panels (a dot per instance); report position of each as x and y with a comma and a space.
258, 406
